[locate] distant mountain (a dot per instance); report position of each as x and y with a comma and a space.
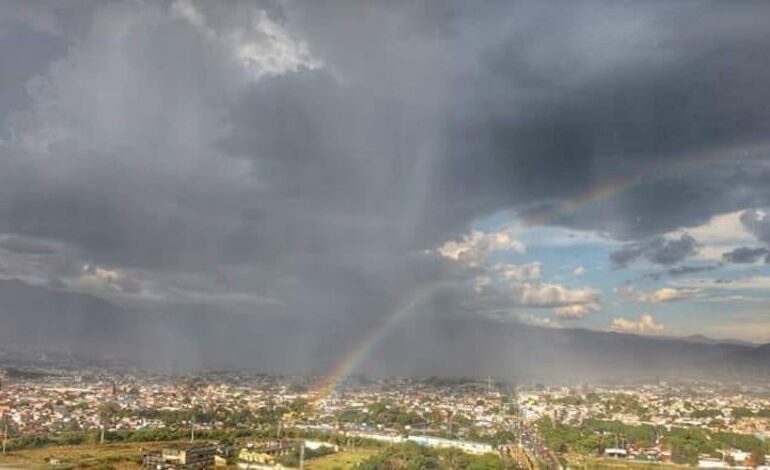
706, 340
745, 363
86, 327
37, 316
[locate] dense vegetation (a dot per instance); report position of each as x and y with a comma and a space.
293, 460
166, 434
385, 413
686, 444
707, 413
739, 413
410, 456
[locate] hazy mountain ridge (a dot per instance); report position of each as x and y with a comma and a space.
706, 340
90, 327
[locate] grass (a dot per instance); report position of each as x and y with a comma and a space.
345, 459
120, 456
597, 463
128, 456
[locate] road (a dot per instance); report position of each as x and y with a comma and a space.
536, 449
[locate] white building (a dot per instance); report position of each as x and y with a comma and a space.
712, 463
439, 443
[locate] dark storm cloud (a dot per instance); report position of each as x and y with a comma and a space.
757, 222
682, 270
648, 117
686, 269
30, 53
658, 250
745, 255
622, 257
309, 153
24, 245
667, 252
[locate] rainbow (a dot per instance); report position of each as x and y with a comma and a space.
618, 185
352, 360
599, 193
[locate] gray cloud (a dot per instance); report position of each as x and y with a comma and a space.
682, 270
658, 250
756, 221
310, 159
17, 244
745, 255
687, 269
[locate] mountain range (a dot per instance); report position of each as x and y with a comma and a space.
198, 337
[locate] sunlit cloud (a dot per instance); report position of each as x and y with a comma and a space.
473, 249
646, 325
665, 294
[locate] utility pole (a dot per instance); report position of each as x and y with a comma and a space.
192, 429
302, 455
5, 433
101, 440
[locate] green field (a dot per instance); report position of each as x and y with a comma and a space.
126, 456
345, 459
595, 463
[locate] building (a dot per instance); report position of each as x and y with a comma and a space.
709, 462
252, 458
440, 443
264, 454
190, 457
615, 452
740, 457
316, 445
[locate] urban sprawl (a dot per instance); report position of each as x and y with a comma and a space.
250, 420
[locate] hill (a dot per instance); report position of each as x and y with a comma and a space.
86, 327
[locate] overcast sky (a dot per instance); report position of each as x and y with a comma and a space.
595, 164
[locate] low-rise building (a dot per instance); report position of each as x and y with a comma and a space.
190, 457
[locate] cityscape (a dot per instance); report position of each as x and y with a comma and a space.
128, 419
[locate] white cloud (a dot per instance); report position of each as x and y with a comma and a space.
495, 294
538, 321
666, 294
721, 233
472, 250
577, 311
513, 272
579, 271
503, 285
269, 50
263, 48
553, 295
99, 278
645, 325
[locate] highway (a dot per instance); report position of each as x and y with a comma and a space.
538, 455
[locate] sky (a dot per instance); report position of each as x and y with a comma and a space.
595, 164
